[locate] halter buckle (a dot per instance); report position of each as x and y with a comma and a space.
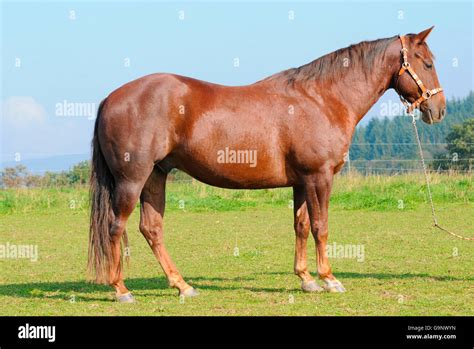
427, 94
406, 65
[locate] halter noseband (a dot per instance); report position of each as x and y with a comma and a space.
425, 93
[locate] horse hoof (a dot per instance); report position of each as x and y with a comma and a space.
311, 286
189, 292
333, 286
125, 298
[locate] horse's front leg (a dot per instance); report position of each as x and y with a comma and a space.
318, 190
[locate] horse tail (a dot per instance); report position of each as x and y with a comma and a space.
101, 189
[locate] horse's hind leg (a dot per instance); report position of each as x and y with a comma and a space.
125, 197
151, 225
302, 226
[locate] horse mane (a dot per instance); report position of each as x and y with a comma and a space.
331, 65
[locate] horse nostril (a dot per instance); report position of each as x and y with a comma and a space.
443, 112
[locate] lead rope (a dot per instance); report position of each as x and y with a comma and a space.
428, 187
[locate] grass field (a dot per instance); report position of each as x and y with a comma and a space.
408, 267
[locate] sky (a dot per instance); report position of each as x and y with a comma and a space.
60, 59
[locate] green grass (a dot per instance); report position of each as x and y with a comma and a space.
376, 193
408, 269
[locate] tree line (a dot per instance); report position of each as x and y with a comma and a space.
390, 142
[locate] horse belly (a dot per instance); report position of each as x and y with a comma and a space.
235, 168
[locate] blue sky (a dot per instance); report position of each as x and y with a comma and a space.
51, 55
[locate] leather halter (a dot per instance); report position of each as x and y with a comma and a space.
425, 93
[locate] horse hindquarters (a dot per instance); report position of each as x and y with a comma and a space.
113, 199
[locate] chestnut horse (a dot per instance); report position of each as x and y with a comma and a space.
292, 129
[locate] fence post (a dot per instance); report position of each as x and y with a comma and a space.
348, 161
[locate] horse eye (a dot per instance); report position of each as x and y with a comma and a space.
428, 65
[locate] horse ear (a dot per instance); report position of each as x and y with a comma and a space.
421, 37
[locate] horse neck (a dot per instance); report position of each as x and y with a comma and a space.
358, 89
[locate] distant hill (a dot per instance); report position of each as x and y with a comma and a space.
51, 164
